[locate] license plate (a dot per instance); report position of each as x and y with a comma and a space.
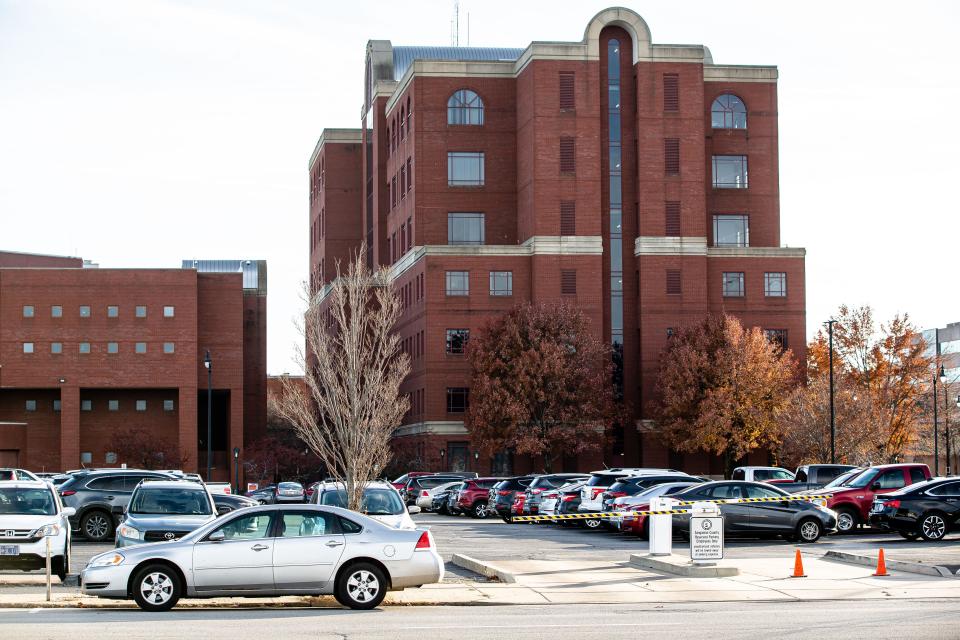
9, 550
877, 507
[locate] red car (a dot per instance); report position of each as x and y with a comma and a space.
474, 496
852, 501
516, 509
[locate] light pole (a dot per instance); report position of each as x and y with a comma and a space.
236, 468
208, 363
833, 426
948, 424
936, 435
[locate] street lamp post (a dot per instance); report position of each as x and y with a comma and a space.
208, 363
833, 426
236, 468
936, 427
958, 407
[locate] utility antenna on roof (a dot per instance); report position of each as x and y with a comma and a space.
455, 25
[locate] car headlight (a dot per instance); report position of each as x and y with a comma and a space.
126, 531
47, 530
820, 502
111, 559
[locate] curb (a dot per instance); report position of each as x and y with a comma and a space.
678, 565
305, 602
30, 580
483, 568
898, 565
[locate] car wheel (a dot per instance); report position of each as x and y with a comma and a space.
933, 526
592, 524
645, 530
479, 510
909, 535
847, 520
361, 586
157, 587
809, 530
97, 526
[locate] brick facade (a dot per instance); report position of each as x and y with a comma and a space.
548, 203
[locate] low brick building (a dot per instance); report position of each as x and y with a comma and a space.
87, 353
636, 180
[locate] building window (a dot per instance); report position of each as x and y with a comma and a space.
56, 311
84, 311
86, 457
84, 347
733, 284
568, 218
113, 311
28, 347
501, 283
728, 112
113, 405
672, 219
731, 231
673, 282
113, 347
168, 312
458, 283
168, 405
465, 107
141, 311
568, 282
465, 168
56, 347
458, 399
777, 337
31, 405
465, 228
110, 457
568, 155
671, 156
28, 311
775, 284
56, 405
409, 174
457, 341
141, 405
729, 172
169, 347
567, 95
86, 405
140, 347
671, 92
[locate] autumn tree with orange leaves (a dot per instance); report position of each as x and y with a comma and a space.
541, 379
722, 389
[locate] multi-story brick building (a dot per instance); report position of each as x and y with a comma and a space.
636, 180
86, 353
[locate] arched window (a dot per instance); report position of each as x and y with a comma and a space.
728, 112
464, 107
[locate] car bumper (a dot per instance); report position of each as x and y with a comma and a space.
891, 523
107, 582
287, 499
33, 555
425, 567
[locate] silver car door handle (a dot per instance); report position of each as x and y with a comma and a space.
334, 543
259, 547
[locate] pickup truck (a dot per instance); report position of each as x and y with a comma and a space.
815, 476
852, 501
770, 475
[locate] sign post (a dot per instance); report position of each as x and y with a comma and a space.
661, 527
706, 534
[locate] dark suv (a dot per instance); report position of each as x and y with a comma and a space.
531, 503
94, 496
414, 486
501, 496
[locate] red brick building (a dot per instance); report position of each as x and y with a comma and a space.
634, 179
86, 353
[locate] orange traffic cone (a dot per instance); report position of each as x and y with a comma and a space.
798, 567
881, 566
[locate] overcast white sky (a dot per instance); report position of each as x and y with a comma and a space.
138, 133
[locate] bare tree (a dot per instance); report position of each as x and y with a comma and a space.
353, 368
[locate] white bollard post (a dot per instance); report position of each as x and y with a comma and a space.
661, 527
48, 568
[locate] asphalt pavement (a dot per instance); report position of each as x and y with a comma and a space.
873, 620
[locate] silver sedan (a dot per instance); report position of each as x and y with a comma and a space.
271, 550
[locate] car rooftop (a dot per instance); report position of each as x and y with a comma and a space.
34, 484
172, 484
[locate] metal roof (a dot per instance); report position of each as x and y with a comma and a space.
249, 268
403, 57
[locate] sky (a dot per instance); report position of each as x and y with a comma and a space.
136, 133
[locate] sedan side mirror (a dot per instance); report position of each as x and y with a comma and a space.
413, 509
216, 536
875, 486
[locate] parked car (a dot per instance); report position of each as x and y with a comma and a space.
263, 495
928, 510
427, 496
441, 499
164, 510
500, 500
853, 500
94, 495
18, 474
453, 505
31, 512
797, 520
401, 482
569, 502
311, 550
411, 491
633, 485
473, 496
771, 475
622, 520
533, 494
551, 499
380, 501
600, 481
226, 503
218, 487
287, 492
810, 477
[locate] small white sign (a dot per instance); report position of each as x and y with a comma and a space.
706, 538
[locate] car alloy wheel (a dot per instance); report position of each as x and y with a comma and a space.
480, 510
809, 531
846, 521
591, 524
361, 586
933, 527
156, 588
96, 526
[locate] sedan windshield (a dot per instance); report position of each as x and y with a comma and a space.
376, 502
27, 502
181, 502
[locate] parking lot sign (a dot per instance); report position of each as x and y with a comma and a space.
706, 533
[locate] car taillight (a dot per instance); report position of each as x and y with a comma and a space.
227, 490
595, 492
891, 503
536, 491
68, 492
569, 498
424, 493
617, 494
425, 541
503, 493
